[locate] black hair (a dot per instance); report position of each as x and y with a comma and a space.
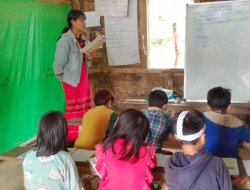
132, 126
52, 134
103, 96
74, 15
219, 98
157, 98
192, 123
64, 30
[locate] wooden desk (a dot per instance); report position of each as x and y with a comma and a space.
11, 174
236, 108
241, 110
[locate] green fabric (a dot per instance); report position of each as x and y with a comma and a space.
28, 88
112, 121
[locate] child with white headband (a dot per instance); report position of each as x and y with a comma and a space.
194, 168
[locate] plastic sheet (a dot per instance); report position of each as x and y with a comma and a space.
29, 30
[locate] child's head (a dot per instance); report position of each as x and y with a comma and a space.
157, 98
103, 97
219, 98
189, 127
52, 134
132, 126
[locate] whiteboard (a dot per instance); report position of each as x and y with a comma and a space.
217, 49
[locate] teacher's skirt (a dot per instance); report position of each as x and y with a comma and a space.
78, 101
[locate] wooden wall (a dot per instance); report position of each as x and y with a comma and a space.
134, 81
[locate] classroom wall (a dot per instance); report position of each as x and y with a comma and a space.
28, 87
132, 81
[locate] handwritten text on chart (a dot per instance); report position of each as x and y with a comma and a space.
220, 15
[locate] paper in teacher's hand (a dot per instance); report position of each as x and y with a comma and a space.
92, 46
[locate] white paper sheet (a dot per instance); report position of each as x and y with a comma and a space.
246, 164
81, 155
114, 8
122, 38
232, 165
91, 19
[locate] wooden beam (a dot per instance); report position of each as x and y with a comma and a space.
135, 71
58, 1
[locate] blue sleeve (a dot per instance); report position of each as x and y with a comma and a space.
245, 134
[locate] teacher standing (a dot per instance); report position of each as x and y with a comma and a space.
70, 66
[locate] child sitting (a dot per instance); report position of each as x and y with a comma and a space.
49, 166
97, 121
124, 161
194, 168
223, 131
160, 121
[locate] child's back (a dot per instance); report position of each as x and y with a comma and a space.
160, 121
194, 168
160, 126
224, 131
56, 171
97, 121
94, 126
48, 165
124, 161
200, 171
121, 174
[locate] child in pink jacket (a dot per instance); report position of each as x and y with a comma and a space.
124, 161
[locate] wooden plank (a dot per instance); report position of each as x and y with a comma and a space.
58, 1
135, 71
236, 108
11, 175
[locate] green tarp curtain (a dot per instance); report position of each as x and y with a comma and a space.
29, 30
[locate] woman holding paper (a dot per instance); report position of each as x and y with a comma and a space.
70, 66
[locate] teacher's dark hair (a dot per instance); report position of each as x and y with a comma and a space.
74, 15
64, 30
52, 134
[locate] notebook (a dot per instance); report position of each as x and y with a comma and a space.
232, 165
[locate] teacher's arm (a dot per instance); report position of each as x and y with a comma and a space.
61, 58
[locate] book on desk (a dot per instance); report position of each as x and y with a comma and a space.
232, 165
82, 155
78, 155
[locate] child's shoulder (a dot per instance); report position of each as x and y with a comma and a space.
29, 154
156, 112
224, 119
149, 149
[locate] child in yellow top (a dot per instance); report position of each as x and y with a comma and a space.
96, 121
